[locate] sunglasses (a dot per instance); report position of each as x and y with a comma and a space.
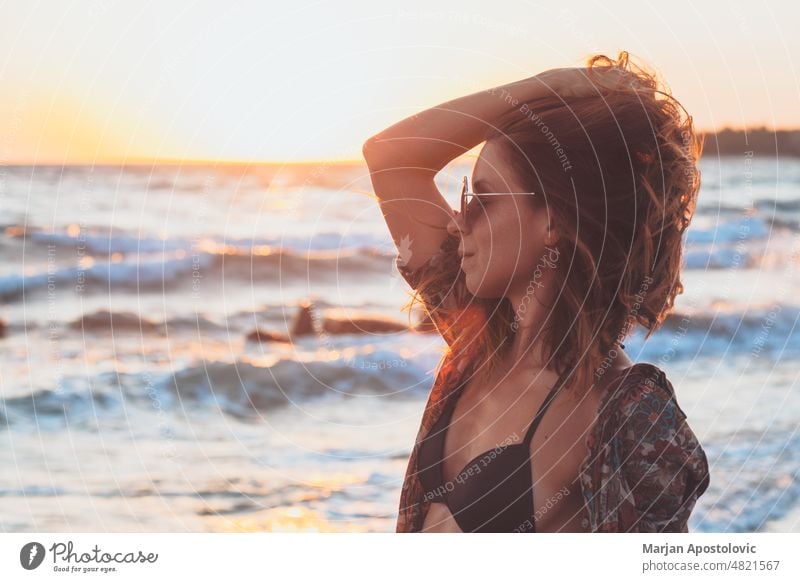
472, 204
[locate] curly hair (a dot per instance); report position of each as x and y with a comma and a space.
619, 179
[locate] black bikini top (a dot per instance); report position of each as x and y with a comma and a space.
494, 491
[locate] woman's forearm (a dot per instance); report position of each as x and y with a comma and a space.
429, 140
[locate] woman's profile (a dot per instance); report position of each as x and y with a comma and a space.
568, 234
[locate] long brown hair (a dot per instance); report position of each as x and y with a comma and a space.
618, 177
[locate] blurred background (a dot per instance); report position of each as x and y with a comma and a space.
179, 182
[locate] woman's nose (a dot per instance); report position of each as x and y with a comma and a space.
456, 225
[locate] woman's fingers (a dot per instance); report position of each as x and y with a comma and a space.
573, 81
585, 82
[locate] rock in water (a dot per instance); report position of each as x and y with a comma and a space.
265, 335
362, 324
303, 322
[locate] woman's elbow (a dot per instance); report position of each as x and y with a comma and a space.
374, 152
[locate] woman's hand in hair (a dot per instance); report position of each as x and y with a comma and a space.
582, 81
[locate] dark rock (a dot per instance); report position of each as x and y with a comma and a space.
104, 320
303, 322
265, 335
364, 324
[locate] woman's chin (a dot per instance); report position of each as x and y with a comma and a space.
478, 291
471, 288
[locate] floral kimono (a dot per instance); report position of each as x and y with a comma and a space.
644, 469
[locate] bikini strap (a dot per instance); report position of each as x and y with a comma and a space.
543, 408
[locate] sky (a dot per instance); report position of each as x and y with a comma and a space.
104, 82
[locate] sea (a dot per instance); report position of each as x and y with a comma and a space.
131, 399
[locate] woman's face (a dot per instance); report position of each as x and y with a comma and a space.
505, 240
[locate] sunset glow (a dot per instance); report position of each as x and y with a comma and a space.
254, 82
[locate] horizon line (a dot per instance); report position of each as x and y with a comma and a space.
141, 161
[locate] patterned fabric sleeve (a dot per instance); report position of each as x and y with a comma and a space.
665, 467
652, 469
440, 284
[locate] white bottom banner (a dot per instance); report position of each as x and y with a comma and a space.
407, 557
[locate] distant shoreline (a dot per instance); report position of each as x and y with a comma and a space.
753, 141
758, 140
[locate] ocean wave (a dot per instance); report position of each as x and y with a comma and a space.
157, 272
244, 390
742, 228
755, 478
767, 331
75, 402
100, 242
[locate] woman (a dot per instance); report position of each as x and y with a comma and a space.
537, 420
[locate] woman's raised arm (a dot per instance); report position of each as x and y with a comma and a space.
404, 159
